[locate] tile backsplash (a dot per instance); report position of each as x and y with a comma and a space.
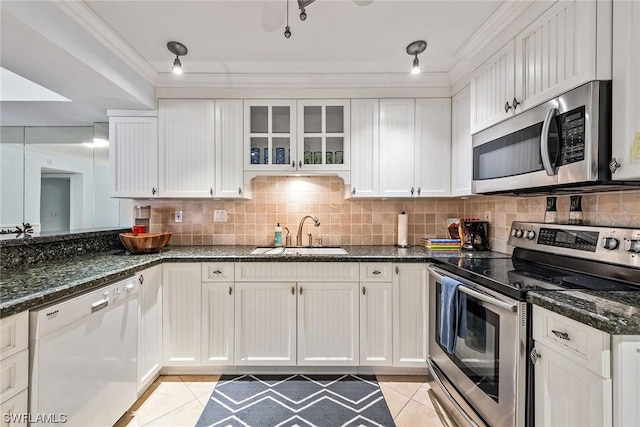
362, 222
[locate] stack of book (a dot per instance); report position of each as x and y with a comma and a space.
441, 245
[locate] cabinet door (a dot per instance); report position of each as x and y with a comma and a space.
186, 141
217, 324
328, 324
149, 325
461, 145
181, 309
228, 149
265, 324
270, 135
364, 148
492, 89
556, 53
626, 372
323, 135
397, 173
133, 156
410, 315
15, 411
567, 394
376, 324
626, 89
433, 147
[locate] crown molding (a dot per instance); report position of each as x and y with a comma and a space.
303, 80
81, 13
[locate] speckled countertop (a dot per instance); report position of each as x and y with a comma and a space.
29, 287
614, 312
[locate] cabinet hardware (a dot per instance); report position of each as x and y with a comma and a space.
211, 191
217, 272
300, 290
239, 190
412, 191
153, 191
293, 164
397, 270
293, 291
364, 290
561, 335
534, 356
230, 290
515, 104
376, 272
614, 165
141, 279
419, 190
353, 191
507, 107
299, 163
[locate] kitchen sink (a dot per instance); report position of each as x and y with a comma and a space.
298, 251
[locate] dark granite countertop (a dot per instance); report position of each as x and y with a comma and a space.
614, 312
25, 288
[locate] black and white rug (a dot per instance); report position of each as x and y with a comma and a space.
296, 400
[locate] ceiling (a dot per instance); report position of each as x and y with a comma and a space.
223, 37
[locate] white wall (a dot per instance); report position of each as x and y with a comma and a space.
11, 184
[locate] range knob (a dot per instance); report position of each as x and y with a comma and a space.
531, 235
517, 233
609, 243
632, 245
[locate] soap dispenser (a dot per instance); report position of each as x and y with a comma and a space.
278, 235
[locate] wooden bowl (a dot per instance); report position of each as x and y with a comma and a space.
145, 243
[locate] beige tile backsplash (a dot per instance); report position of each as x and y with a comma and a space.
363, 222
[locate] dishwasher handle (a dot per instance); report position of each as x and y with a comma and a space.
99, 305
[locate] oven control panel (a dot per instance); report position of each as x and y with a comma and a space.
606, 244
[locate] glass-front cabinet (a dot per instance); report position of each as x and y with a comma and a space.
302, 136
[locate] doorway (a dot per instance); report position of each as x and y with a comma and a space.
55, 203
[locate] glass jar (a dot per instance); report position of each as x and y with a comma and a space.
575, 210
551, 214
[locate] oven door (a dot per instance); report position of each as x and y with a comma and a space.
483, 381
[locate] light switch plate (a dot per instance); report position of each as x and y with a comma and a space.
220, 215
178, 216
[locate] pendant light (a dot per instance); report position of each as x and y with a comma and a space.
178, 49
416, 48
287, 30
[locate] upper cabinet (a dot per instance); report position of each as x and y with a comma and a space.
397, 168
228, 150
133, 156
310, 136
626, 90
433, 147
365, 148
555, 53
186, 141
461, 145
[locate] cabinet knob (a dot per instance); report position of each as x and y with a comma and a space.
515, 103
141, 279
412, 191
397, 270
217, 272
211, 191
376, 272
419, 190
364, 290
561, 335
507, 107
299, 163
239, 190
353, 191
300, 290
614, 165
230, 290
534, 356
293, 164
293, 291
153, 191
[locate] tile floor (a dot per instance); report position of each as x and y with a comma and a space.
176, 401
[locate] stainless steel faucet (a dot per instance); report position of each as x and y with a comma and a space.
287, 238
299, 235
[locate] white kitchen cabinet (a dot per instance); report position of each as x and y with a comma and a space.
265, 323
365, 149
217, 323
133, 156
626, 90
410, 315
433, 147
149, 325
376, 318
186, 147
397, 147
626, 386
328, 327
228, 149
14, 365
14, 412
567, 394
461, 145
323, 135
181, 314
270, 128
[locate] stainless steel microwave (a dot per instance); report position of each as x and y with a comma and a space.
563, 143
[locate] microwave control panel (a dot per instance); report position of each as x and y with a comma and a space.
572, 135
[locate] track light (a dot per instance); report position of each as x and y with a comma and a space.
416, 48
178, 49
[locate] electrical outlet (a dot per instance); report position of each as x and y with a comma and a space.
487, 216
178, 216
220, 215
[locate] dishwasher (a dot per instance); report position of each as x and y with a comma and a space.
83, 357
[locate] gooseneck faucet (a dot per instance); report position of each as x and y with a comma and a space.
299, 235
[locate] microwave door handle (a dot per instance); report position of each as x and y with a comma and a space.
544, 142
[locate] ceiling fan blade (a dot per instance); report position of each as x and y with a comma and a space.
273, 15
362, 2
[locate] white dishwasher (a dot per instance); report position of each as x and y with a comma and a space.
83, 357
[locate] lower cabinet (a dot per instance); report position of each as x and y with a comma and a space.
14, 411
217, 324
14, 369
181, 314
149, 325
376, 314
265, 323
410, 315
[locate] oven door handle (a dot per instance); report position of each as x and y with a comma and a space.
479, 295
544, 142
448, 395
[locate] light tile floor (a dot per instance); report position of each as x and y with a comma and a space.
177, 401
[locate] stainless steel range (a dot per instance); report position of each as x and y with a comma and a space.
480, 322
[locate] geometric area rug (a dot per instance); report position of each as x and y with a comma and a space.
296, 400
